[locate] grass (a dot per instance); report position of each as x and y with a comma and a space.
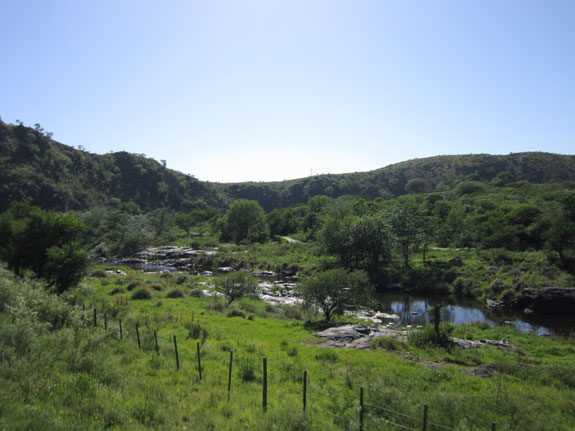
61, 374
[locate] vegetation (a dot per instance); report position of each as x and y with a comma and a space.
59, 372
47, 244
336, 291
236, 285
476, 226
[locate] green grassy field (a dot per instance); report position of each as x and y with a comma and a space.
59, 372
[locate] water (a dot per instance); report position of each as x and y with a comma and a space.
415, 311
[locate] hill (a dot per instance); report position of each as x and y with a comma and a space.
59, 177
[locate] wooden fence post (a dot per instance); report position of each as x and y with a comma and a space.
176, 350
156, 339
95, 318
493, 426
121, 335
199, 361
105, 321
230, 374
138, 335
304, 390
265, 386
361, 408
425, 418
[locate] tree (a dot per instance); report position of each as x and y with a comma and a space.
405, 220
245, 220
47, 244
184, 221
237, 285
336, 290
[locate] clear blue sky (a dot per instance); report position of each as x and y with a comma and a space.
267, 90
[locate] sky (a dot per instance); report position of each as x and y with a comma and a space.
268, 90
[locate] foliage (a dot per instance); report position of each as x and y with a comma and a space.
45, 243
244, 221
336, 290
236, 285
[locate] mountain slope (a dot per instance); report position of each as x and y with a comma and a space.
58, 177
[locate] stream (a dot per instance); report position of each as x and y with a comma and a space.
413, 310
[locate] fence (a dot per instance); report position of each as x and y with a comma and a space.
370, 417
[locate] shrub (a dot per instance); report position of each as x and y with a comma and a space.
292, 351
133, 285
181, 279
196, 331
247, 371
216, 306
236, 313
428, 336
293, 313
327, 356
116, 290
388, 343
196, 293
158, 288
99, 274
176, 293
142, 294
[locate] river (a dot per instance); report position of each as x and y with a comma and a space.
413, 310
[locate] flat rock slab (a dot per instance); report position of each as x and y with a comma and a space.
356, 336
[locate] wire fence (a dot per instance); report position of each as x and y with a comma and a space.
359, 414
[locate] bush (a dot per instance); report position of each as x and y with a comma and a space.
236, 313
388, 343
327, 356
176, 293
116, 291
99, 274
181, 279
196, 293
158, 288
428, 336
196, 331
216, 306
133, 285
247, 371
142, 294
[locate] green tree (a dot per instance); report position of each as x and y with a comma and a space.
336, 291
237, 285
405, 218
245, 220
47, 244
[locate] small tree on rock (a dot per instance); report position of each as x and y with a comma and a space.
336, 291
237, 285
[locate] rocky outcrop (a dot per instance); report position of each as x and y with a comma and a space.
548, 300
181, 258
356, 336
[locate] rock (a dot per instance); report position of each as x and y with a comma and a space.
492, 305
470, 344
356, 336
548, 300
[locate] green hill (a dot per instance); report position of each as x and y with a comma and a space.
54, 176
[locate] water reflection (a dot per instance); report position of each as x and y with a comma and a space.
416, 311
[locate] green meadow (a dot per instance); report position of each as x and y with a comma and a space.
59, 372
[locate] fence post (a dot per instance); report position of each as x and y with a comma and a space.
176, 349
156, 339
493, 426
265, 386
95, 318
105, 322
121, 335
199, 361
230, 374
304, 390
361, 408
138, 335
425, 418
